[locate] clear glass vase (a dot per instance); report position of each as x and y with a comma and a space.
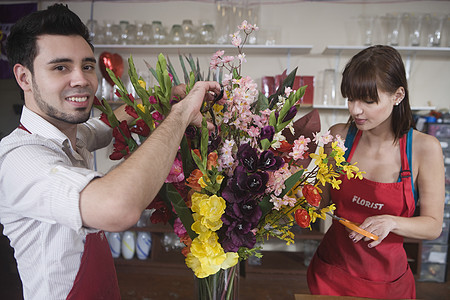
224, 285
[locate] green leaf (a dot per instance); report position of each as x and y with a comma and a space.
186, 158
287, 82
291, 181
168, 192
172, 71
265, 144
198, 161
266, 206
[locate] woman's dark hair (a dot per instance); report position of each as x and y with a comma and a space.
57, 19
378, 67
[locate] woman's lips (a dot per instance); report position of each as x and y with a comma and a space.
360, 121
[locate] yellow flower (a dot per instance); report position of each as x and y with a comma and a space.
201, 181
319, 157
196, 199
142, 84
335, 183
141, 107
219, 179
207, 256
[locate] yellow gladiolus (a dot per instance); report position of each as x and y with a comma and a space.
141, 107
142, 84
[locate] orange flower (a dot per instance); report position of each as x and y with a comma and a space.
187, 241
212, 160
192, 181
197, 152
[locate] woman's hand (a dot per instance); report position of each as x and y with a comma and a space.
379, 225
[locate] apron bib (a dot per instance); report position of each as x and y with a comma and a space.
96, 278
343, 268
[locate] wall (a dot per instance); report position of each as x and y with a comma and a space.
302, 23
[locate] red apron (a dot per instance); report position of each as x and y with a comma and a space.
343, 268
96, 278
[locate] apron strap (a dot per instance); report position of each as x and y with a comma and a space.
406, 178
23, 128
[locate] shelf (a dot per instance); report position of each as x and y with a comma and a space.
422, 51
208, 49
344, 107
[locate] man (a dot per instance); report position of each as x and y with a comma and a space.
52, 205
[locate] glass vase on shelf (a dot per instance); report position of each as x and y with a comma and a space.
223, 285
159, 33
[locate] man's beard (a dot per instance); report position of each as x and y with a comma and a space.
56, 114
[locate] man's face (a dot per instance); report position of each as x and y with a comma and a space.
64, 80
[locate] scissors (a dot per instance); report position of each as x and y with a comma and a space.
353, 226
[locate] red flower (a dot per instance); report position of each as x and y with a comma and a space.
123, 126
302, 217
285, 147
104, 118
311, 194
161, 214
131, 111
130, 96
97, 102
141, 128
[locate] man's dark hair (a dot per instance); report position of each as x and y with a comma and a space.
57, 19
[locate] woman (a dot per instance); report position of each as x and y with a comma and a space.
403, 168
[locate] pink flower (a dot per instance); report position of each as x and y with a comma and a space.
287, 91
322, 138
152, 100
178, 228
236, 39
176, 172
300, 147
157, 116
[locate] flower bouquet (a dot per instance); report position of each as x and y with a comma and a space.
232, 188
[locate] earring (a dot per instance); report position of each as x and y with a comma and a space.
397, 103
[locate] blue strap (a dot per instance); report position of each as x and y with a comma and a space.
351, 133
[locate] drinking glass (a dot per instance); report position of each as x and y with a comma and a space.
329, 87
416, 24
367, 25
435, 33
394, 23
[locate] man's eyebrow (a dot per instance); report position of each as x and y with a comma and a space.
65, 60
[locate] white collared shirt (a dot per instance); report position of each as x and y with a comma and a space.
41, 177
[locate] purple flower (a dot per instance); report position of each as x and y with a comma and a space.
213, 143
268, 161
255, 183
238, 234
248, 210
290, 114
248, 157
267, 132
232, 193
191, 132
